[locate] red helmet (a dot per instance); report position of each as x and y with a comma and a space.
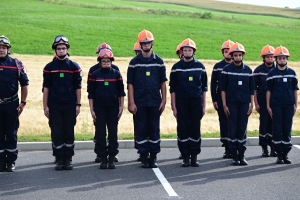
60, 39
136, 46
178, 49
106, 53
145, 36
237, 47
103, 46
281, 51
188, 43
226, 45
267, 50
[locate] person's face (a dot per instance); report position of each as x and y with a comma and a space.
282, 60
146, 46
105, 63
61, 50
226, 53
269, 59
3, 51
187, 52
237, 57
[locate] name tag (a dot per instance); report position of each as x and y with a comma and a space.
61, 75
284, 79
147, 73
106, 83
240, 83
190, 78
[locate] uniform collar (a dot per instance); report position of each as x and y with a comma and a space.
152, 57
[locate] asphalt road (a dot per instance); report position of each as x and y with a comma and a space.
35, 177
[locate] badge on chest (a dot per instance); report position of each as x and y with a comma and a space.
191, 78
284, 79
240, 82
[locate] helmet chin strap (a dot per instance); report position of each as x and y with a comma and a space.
146, 51
62, 57
188, 57
227, 59
281, 65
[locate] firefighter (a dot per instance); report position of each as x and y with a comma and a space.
179, 51
106, 99
146, 77
188, 86
12, 72
216, 95
91, 70
237, 90
282, 102
61, 101
137, 48
265, 121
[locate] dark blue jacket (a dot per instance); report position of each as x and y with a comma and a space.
11, 76
63, 78
260, 81
96, 67
216, 80
188, 79
282, 84
106, 86
238, 83
146, 76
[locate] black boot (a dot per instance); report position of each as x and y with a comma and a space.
59, 164
98, 159
10, 167
265, 152
145, 163
279, 158
2, 166
103, 164
68, 164
242, 159
235, 160
227, 153
185, 162
286, 159
194, 162
111, 160
273, 153
152, 160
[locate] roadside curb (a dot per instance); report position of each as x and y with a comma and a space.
125, 144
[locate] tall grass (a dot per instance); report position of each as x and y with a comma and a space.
31, 26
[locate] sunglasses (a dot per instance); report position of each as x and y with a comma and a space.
61, 38
4, 40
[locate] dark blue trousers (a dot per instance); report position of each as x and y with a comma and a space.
62, 121
189, 115
106, 116
9, 125
265, 126
146, 129
282, 127
223, 124
237, 126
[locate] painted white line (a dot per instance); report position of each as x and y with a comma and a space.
164, 182
297, 146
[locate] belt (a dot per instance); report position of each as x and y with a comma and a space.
8, 100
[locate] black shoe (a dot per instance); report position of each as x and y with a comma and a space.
227, 154
10, 167
242, 160
2, 166
68, 165
286, 159
145, 162
265, 152
180, 157
185, 162
116, 159
98, 159
59, 165
103, 164
194, 162
279, 158
152, 160
235, 159
273, 153
111, 160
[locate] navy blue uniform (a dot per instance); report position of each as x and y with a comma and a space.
62, 78
282, 84
188, 80
10, 76
238, 83
146, 75
105, 88
216, 97
265, 121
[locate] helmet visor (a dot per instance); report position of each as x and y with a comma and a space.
4, 40
60, 38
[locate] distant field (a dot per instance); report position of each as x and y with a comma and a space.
33, 121
31, 26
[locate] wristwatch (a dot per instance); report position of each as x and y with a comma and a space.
78, 104
23, 102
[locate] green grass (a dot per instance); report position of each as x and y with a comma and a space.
31, 26
89, 137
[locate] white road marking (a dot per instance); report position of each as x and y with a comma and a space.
164, 182
297, 146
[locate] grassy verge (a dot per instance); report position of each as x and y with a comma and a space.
88, 137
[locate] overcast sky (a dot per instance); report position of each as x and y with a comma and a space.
273, 3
